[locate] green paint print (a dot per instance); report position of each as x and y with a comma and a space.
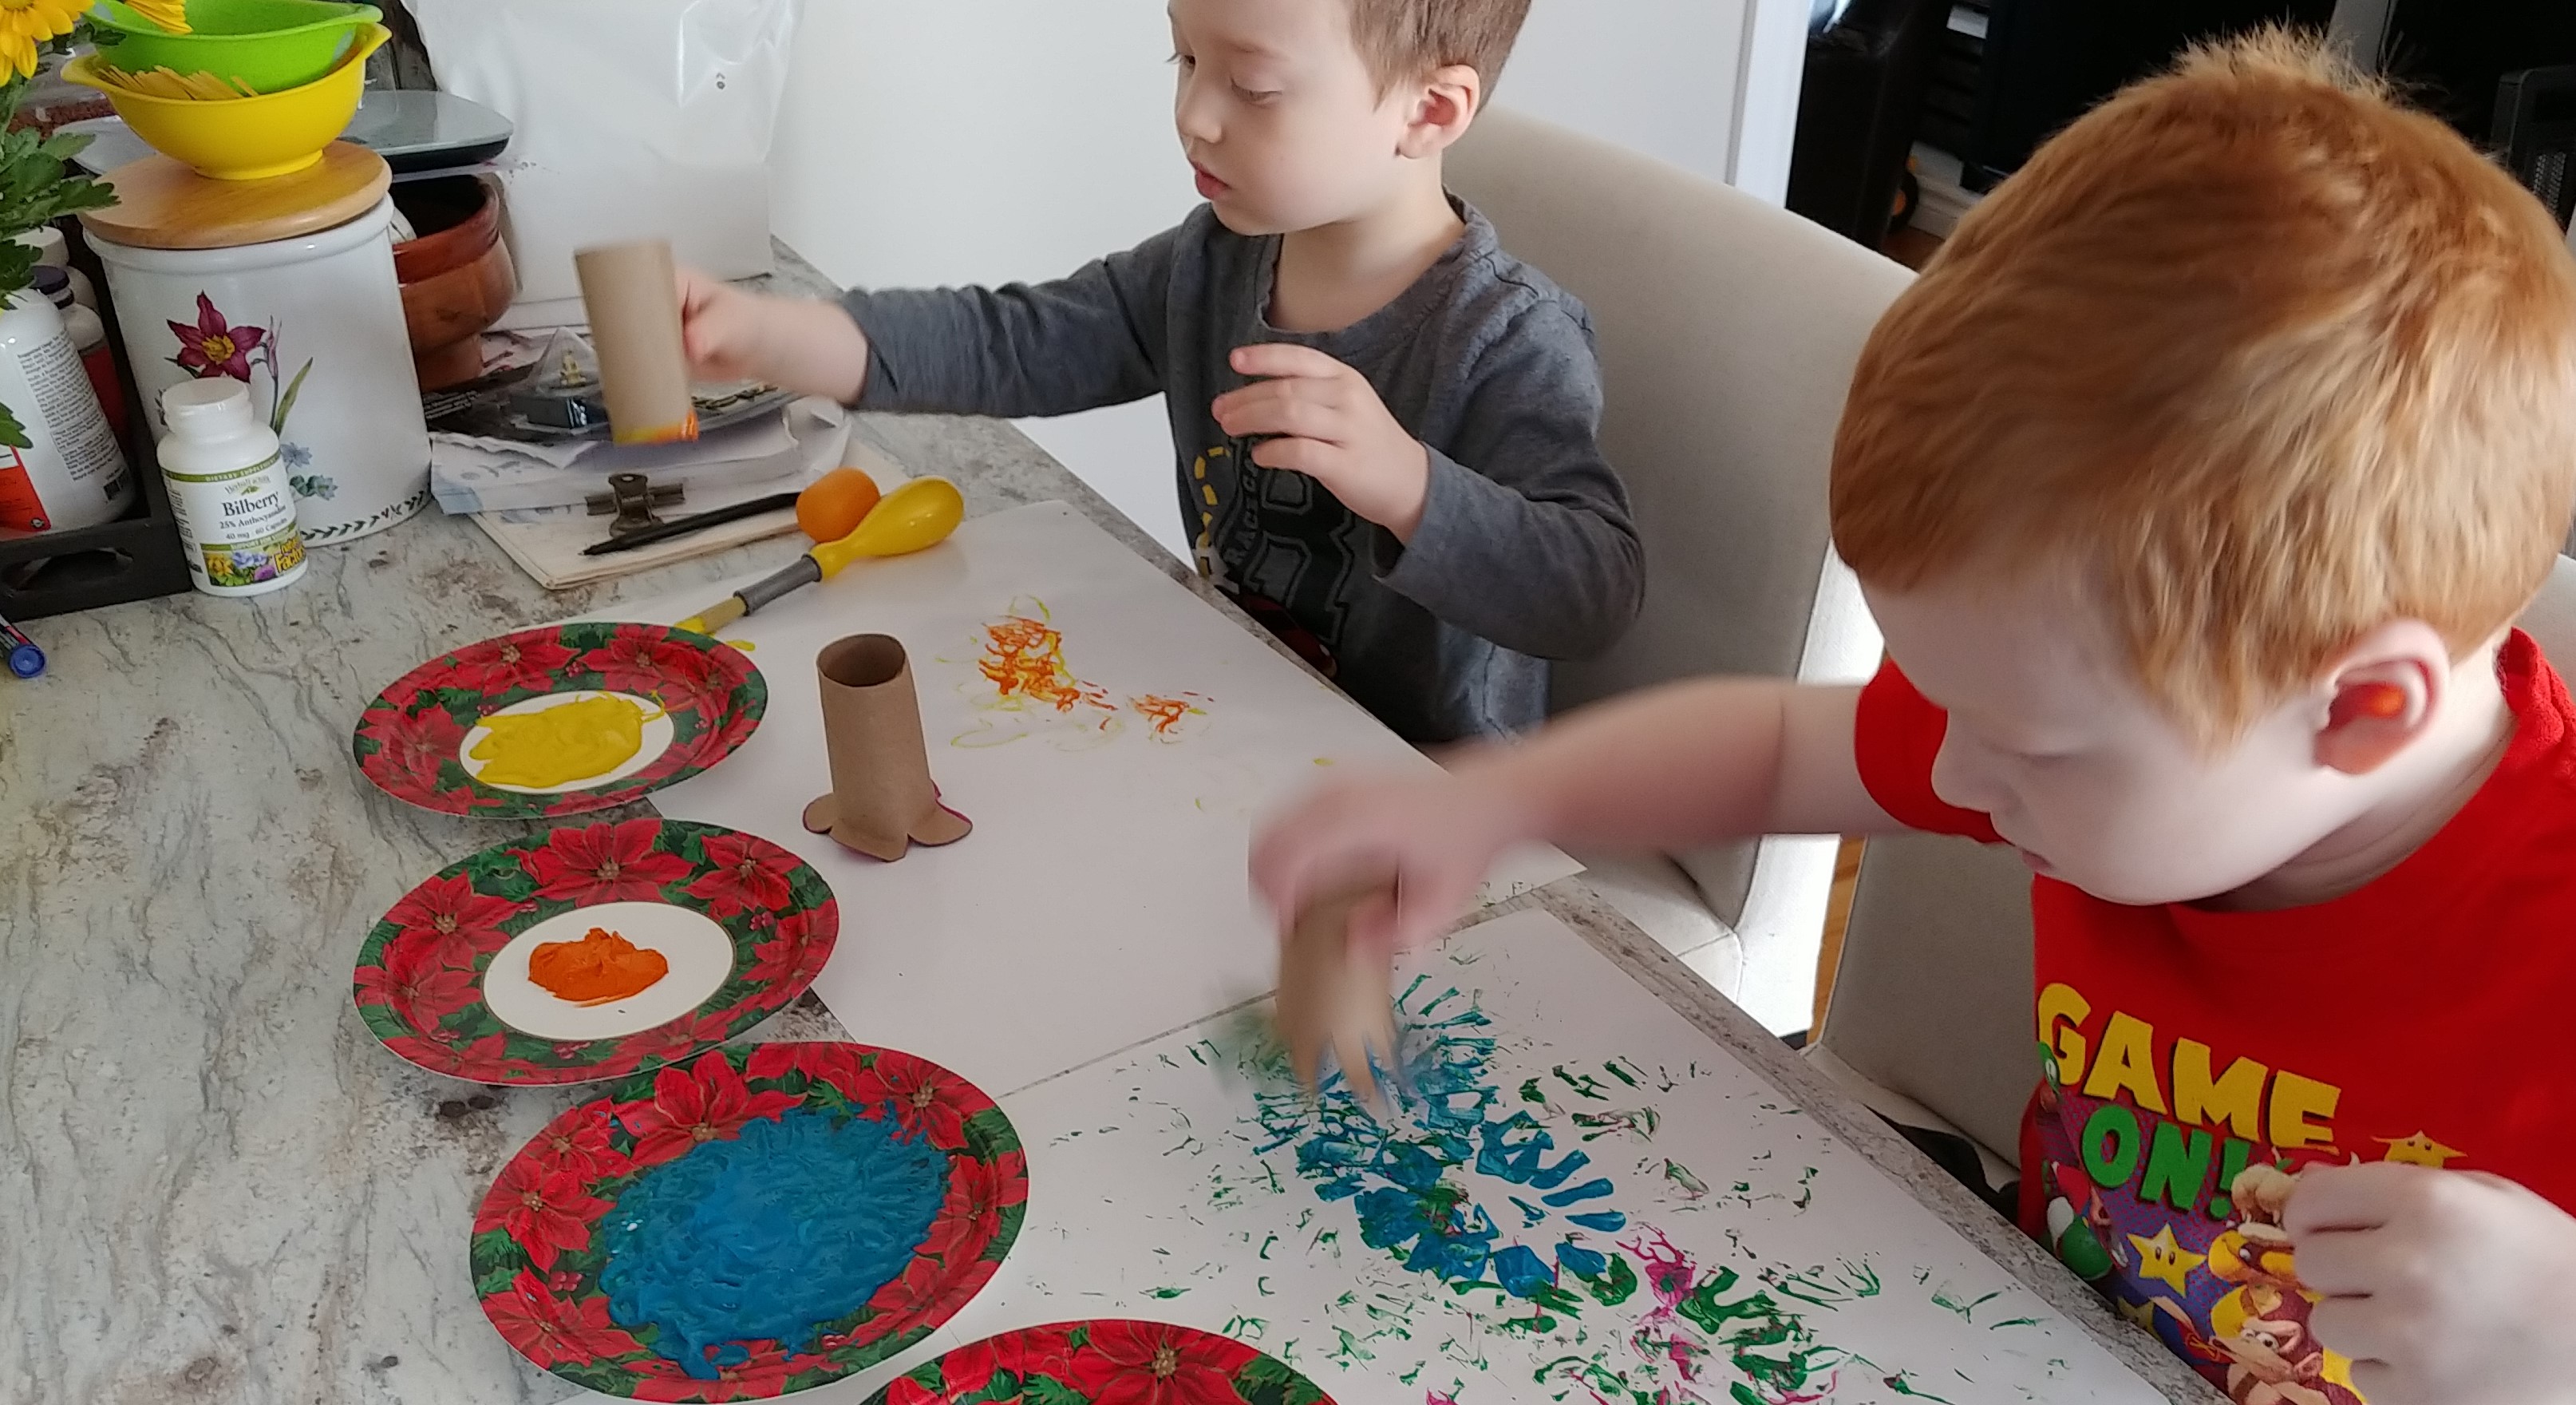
1637, 1122
1942, 1297
1692, 1187
1583, 1084
1903, 1386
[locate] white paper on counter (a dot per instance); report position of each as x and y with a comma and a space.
1101, 900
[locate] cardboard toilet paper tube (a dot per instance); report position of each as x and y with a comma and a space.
633, 297
882, 801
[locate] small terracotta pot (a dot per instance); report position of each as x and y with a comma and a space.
883, 801
455, 274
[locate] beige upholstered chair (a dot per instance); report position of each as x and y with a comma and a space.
1931, 1019
1728, 330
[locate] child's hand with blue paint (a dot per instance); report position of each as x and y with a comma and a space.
2441, 1287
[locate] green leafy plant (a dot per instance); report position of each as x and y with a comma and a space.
36, 188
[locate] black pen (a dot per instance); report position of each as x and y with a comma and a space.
697, 522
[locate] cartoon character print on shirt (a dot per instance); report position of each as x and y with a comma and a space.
2167, 1171
1280, 544
2261, 1328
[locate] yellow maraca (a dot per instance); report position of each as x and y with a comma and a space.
915, 517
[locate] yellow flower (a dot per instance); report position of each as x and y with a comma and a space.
171, 15
25, 23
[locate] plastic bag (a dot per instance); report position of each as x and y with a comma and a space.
636, 119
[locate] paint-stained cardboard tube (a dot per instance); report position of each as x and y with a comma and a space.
633, 297
883, 801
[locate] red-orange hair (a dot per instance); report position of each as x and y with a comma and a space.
2264, 357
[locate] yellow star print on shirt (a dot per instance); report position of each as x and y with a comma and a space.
2144, 1314
2161, 1257
2417, 1150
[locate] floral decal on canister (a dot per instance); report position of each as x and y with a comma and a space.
217, 346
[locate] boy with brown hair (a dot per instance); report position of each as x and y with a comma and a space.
2196, 485
1386, 426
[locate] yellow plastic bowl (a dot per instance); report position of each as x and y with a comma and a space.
242, 139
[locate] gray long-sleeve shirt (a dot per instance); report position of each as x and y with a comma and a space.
1525, 551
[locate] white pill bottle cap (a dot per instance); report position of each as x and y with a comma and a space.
211, 408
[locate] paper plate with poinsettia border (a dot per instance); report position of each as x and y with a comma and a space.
410, 740
536, 1249
421, 976
1103, 1362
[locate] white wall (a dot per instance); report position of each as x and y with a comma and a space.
990, 140
1656, 76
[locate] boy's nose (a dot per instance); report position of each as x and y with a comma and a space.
1195, 115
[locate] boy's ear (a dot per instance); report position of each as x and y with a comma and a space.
2383, 695
1443, 108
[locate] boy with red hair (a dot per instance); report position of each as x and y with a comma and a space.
2196, 486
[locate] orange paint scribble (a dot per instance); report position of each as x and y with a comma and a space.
1167, 713
1024, 658
599, 968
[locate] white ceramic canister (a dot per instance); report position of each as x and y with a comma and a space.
72, 474
228, 490
315, 321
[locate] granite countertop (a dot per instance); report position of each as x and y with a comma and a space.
214, 1185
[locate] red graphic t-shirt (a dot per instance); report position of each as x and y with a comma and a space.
2193, 1060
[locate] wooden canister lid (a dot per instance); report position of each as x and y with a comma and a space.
162, 204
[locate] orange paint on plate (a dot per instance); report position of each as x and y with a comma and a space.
599, 968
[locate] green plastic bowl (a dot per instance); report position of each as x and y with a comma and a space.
272, 45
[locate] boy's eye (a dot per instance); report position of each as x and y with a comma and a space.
1253, 95
1185, 60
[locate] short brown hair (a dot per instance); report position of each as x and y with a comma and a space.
1408, 39
2267, 358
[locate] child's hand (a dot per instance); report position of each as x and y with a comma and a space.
1329, 425
812, 348
1435, 835
2454, 1287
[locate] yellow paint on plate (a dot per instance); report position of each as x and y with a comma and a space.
743, 644
572, 742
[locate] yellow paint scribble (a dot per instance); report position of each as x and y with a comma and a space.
743, 644
568, 742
